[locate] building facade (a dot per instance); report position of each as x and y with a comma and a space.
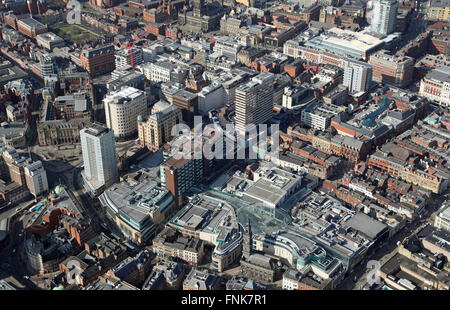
254, 101
384, 16
99, 60
436, 86
357, 76
122, 109
389, 69
99, 157
156, 129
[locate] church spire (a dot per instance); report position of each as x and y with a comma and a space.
248, 240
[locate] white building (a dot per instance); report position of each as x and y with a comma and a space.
230, 86
295, 96
123, 57
318, 115
36, 178
254, 101
210, 98
357, 76
158, 71
384, 16
272, 186
436, 86
122, 108
228, 47
442, 220
49, 40
99, 156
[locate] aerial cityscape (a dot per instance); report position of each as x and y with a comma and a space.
224, 145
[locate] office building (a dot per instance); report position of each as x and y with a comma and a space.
179, 175
357, 76
36, 178
389, 69
99, 157
98, 61
155, 130
384, 16
122, 109
126, 57
50, 40
254, 101
318, 115
211, 98
188, 103
172, 244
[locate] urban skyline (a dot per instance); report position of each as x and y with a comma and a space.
224, 145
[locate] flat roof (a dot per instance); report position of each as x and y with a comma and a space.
136, 199
366, 225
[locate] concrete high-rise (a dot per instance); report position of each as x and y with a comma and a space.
384, 16
122, 108
254, 101
99, 156
36, 178
357, 75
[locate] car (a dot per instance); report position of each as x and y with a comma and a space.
14, 250
17, 209
26, 277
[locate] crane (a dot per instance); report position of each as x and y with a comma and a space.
130, 48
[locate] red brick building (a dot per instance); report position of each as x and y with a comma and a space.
98, 61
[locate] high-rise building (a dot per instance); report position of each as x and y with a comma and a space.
99, 157
179, 175
254, 101
357, 75
36, 178
384, 16
122, 108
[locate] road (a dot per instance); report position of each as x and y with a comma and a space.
389, 249
12, 267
